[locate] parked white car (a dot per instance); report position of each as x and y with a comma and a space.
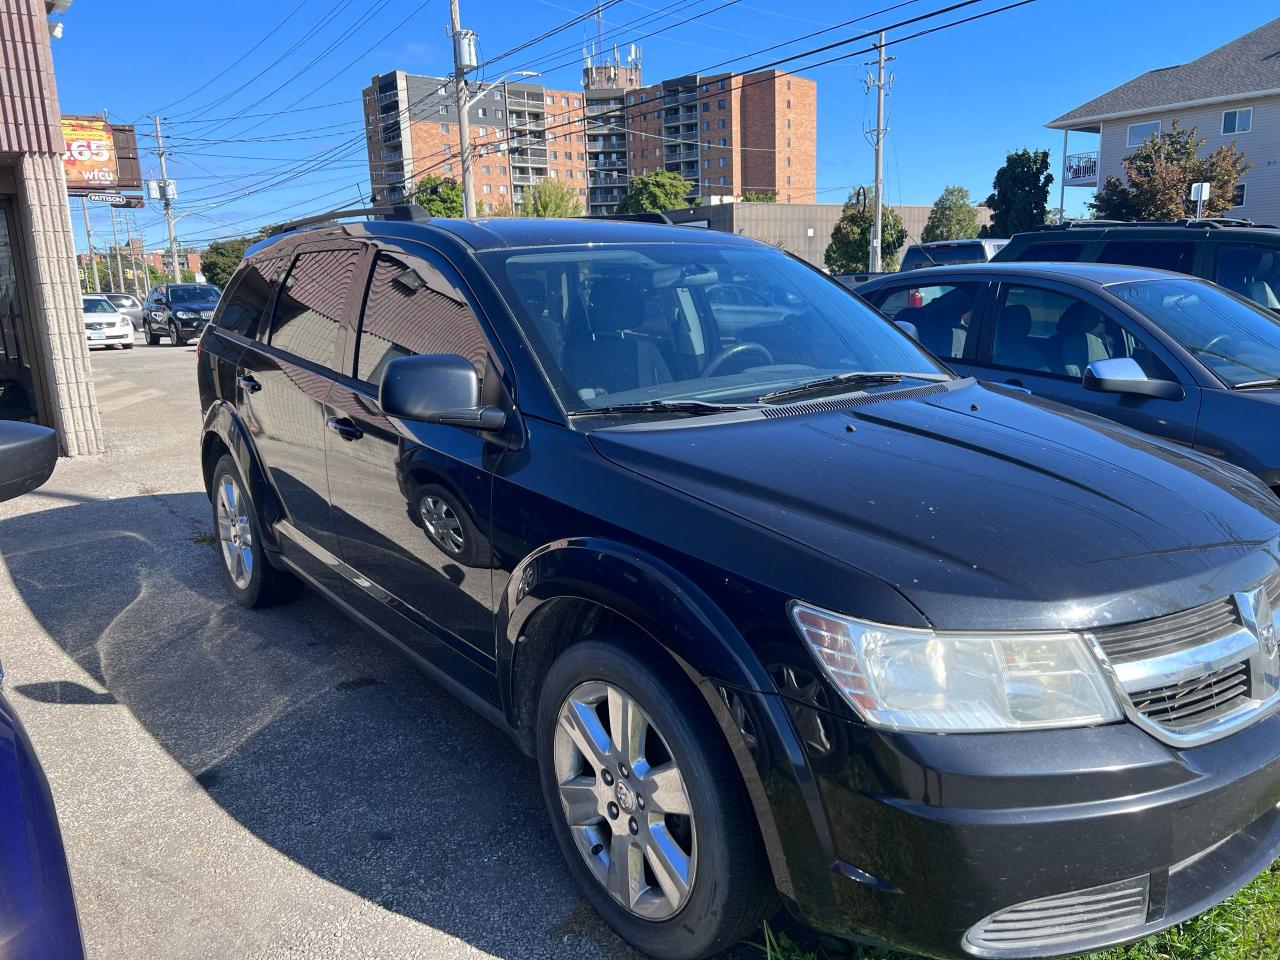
105, 325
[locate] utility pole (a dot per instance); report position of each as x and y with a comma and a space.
166, 194
877, 225
88, 234
115, 240
463, 59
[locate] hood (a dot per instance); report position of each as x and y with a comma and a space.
986, 508
197, 305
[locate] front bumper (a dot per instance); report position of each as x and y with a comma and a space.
100, 338
932, 835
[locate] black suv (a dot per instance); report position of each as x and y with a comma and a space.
782, 607
179, 311
1242, 256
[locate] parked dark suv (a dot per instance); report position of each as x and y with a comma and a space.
1239, 255
179, 311
781, 606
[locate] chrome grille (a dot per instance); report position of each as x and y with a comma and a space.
95, 325
1185, 704
1065, 923
1178, 631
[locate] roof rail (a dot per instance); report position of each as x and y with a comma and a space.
635, 217
400, 212
1195, 223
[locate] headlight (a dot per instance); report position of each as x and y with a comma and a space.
927, 681
187, 315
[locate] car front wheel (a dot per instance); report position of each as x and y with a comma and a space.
153, 338
647, 805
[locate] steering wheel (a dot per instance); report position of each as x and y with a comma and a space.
723, 357
1209, 347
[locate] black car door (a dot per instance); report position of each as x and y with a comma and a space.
284, 379
1043, 335
411, 501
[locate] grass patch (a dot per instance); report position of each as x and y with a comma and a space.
1246, 927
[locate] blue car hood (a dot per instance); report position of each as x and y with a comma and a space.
985, 508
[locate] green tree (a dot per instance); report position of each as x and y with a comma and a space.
655, 192
1160, 172
221, 257
551, 198
1021, 197
850, 248
438, 196
952, 217
762, 196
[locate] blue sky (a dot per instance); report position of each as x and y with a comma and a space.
961, 98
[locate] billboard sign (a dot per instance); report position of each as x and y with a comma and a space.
90, 156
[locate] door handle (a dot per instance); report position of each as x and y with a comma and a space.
344, 428
246, 380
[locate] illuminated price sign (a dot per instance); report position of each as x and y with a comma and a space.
90, 156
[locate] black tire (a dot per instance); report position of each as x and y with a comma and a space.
265, 585
732, 890
175, 335
474, 551
153, 338
127, 346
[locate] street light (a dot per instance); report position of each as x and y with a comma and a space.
464, 135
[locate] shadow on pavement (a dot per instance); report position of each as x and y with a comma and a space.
304, 727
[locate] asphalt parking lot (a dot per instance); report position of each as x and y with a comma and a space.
250, 784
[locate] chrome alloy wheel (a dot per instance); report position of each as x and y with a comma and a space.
442, 523
625, 800
235, 533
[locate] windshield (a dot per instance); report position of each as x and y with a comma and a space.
640, 323
94, 305
193, 293
1236, 339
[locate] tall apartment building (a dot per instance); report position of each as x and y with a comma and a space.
520, 133
727, 134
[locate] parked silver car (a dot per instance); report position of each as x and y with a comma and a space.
129, 305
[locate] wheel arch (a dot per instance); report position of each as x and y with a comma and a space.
225, 433
576, 589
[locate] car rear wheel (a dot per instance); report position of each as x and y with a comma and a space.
254, 582
647, 805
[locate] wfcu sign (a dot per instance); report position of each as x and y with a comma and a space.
99, 156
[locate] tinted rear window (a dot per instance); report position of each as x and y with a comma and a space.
954, 253
312, 302
1050, 252
1176, 255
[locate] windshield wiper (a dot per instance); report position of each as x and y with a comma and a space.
842, 380
1248, 384
691, 408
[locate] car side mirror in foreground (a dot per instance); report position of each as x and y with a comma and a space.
437, 388
28, 454
1125, 375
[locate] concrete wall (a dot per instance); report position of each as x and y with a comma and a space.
1261, 146
31, 148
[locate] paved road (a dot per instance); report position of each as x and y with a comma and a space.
251, 784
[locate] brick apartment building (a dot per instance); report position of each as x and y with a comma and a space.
727, 134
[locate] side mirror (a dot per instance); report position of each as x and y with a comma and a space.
909, 328
1125, 375
437, 388
28, 454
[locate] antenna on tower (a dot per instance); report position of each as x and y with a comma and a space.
599, 27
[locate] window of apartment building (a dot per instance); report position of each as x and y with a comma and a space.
551, 135
788, 123
630, 100
482, 111
706, 124
581, 156
724, 142
555, 173
644, 152
706, 183
442, 109
503, 170
719, 84
497, 94
788, 104
485, 169
642, 97
484, 131
788, 84
720, 105
706, 164
720, 182
788, 143
448, 168
1141, 131
1237, 121
1237, 198
706, 106
498, 113
582, 191
446, 149
577, 102
705, 88
487, 188
444, 128
502, 189
788, 179
720, 123
555, 155
722, 161
788, 161
550, 99
564, 101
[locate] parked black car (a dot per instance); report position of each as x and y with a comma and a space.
782, 607
37, 906
179, 311
1242, 256
1170, 355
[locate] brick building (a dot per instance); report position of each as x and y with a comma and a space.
727, 134
161, 260
44, 359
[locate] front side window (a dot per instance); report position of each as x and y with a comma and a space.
1251, 271
1139, 132
407, 313
249, 296
644, 322
312, 302
942, 314
1048, 332
1237, 121
1236, 339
